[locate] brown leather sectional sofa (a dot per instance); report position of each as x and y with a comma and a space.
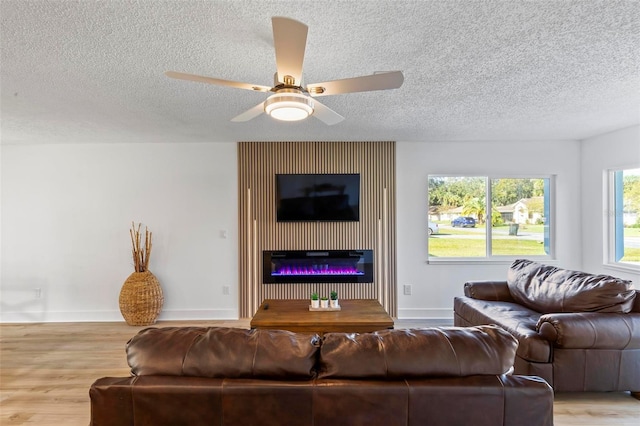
228, 376
579, 331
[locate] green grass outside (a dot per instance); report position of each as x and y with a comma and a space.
630, 255
632, 232
444, 247
441, 246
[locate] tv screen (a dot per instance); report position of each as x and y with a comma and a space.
318, 197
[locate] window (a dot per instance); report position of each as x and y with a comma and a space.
624, 222
481, 217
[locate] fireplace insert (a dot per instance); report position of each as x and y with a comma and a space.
317, 266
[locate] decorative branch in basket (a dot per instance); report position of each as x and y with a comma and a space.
140, 253
141, 296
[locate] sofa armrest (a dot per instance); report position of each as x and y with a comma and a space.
591, 330
636, 303
488, 290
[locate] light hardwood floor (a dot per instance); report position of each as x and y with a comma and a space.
47, 369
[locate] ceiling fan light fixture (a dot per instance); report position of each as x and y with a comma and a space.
289, 105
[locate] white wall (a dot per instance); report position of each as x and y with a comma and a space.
435, 285
619, 149
66, 214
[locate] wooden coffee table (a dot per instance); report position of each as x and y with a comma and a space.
355, 316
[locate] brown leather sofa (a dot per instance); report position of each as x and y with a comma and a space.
229, 376
578, 331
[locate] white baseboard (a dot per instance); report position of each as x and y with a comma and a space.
199, 314
437, 314
114, 316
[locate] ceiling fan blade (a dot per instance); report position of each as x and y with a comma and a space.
326, 114
378, 81
211, 80
290, 41
250, 113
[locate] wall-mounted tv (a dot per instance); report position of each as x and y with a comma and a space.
318, 197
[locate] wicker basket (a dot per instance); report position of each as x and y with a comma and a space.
141, 299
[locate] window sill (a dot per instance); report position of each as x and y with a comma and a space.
496, 260
622, 267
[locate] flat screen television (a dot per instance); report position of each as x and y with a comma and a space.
318, 197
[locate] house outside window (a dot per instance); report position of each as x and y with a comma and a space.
490, 218
624, 218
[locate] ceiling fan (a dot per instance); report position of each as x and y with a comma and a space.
291, 101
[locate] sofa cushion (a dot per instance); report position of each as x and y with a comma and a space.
443, 351
548, 289
221, 352
516, 319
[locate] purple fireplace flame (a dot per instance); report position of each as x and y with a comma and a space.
325, 269
317, 266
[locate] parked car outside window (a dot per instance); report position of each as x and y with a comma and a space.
464, 222
433, 228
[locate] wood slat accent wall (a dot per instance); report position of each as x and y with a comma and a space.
259, 162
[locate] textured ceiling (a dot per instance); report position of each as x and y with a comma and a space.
92, 71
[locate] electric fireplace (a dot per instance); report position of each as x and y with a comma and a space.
317, 266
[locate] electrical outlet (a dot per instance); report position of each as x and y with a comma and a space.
407, 290
226, 290
38, 292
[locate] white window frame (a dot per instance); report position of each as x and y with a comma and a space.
500, 259
610, 240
